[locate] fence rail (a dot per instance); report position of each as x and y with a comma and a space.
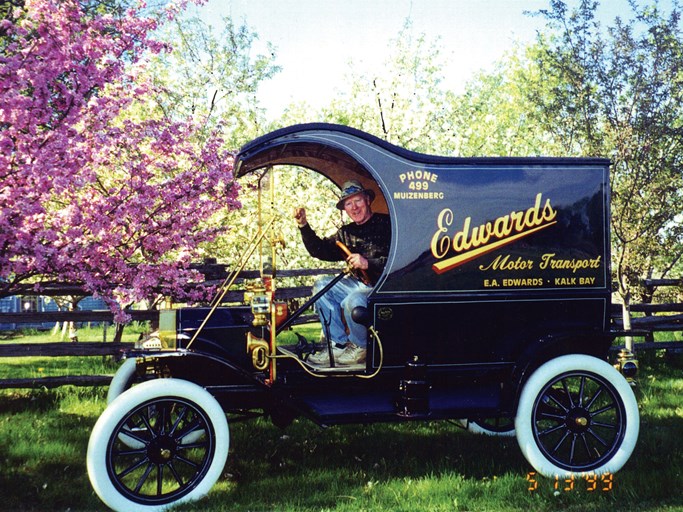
54, 382
642, 327
61, 349
42, 317
215, 274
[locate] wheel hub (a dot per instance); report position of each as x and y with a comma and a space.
161, 450
578, 420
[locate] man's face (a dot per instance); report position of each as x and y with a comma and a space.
357, 207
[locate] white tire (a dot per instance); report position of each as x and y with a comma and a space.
122, 380
498, 427
161, 469
577, 415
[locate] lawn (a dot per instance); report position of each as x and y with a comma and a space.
86, 332
429, 466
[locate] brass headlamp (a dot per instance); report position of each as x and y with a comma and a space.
259, 298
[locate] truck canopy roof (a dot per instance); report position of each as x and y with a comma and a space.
339, 153
464, 225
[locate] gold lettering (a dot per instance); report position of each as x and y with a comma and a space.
548, 260
418, 175
545, 260
491, 235
460, 242
518, 220
504, 263
549, 212
440, 244
531, 218
478, 235
523, 282
491, 266
502, 226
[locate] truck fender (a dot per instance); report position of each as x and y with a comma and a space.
550, 347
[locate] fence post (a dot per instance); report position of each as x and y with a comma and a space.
626, 315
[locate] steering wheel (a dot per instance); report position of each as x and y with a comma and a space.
359, 272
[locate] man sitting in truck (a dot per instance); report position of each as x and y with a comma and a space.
367, 237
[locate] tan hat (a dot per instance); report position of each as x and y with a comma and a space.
351, 188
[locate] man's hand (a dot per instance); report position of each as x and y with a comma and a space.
357, 261
300, 217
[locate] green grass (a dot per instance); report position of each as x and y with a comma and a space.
38, 367
431, 466
92, 332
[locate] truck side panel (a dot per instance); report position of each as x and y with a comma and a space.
495, 229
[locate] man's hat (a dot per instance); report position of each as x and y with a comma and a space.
351, 188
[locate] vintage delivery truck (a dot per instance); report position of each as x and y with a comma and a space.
493, 308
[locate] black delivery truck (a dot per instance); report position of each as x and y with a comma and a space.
493, 308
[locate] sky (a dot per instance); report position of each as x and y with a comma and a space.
316, 40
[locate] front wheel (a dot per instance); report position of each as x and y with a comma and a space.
124, 378
577, 415
161, 468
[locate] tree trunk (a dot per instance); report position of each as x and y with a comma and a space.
119, 333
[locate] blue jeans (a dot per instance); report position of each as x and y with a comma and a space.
343, 296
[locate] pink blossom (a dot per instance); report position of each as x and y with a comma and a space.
87, 194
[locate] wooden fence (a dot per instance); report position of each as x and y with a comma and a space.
652, 318
656, 318
215, 274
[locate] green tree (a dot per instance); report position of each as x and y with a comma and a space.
402, 101
212, 74
619, 93
497, 116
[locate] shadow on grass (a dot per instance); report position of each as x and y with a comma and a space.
42, 452
12, 402
385, 450
304, 468
406, 466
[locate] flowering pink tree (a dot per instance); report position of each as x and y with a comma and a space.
94, 188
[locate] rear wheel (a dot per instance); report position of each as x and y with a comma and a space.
161, 467
577, 415
501, 427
